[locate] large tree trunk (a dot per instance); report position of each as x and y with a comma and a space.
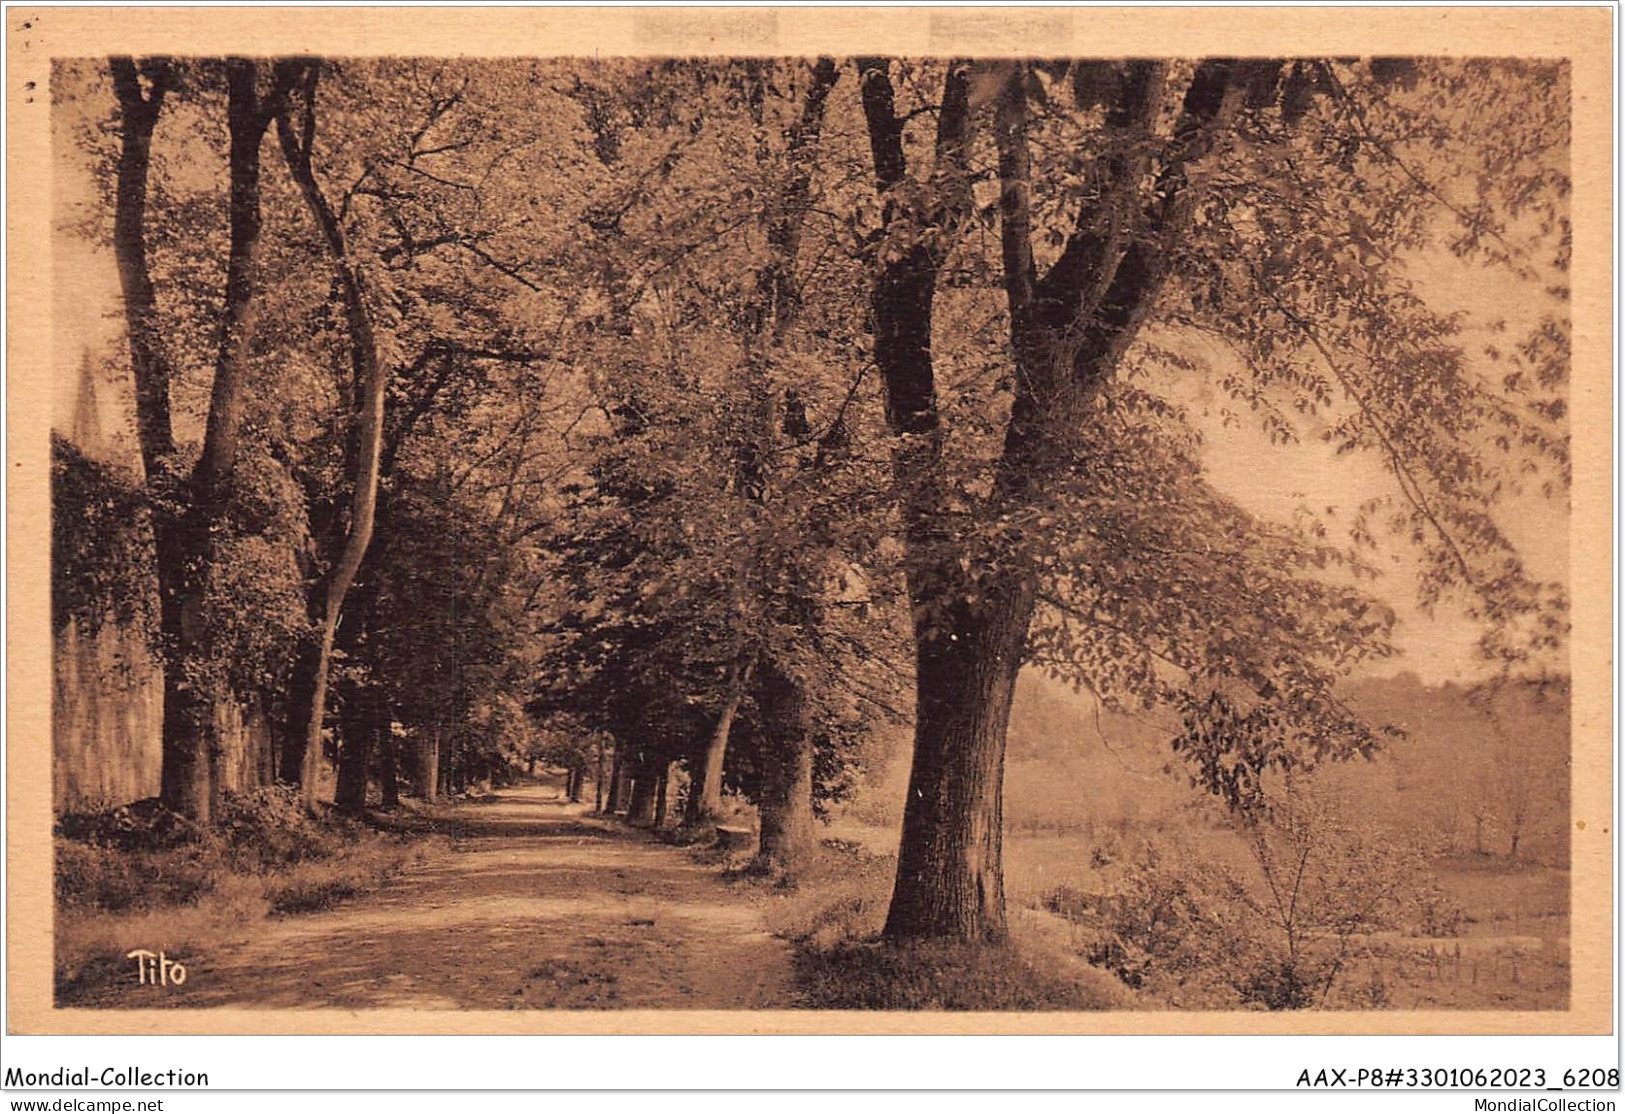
661, 789
294, 720
388, 786
950, 874
641, 810
598, 781
366, 716
1069, 330
355, 753
185, 779
310, 764
453, 770
188, 763
617, 782
363, 721
426, 770
704, 805
785, 840
949, 880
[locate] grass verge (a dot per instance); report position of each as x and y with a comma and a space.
833, 920
139, 876
934, 975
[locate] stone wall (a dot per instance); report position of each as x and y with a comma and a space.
107, 725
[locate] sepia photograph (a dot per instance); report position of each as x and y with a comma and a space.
832, 532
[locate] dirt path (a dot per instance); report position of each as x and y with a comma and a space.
537, 906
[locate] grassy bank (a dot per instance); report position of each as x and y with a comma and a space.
142, 877
833, 918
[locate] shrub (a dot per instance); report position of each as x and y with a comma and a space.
1277, 933
1436, 912
270, 829
1163, 929
142, 855
101, 544
95, 876
145, 825
1075, 905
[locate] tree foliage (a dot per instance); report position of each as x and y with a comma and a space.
711, 400
101, 552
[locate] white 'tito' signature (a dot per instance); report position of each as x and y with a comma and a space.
156, 968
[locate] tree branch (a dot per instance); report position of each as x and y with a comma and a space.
138, 116
1408, 484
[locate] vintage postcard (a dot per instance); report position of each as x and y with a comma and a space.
1063, 520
